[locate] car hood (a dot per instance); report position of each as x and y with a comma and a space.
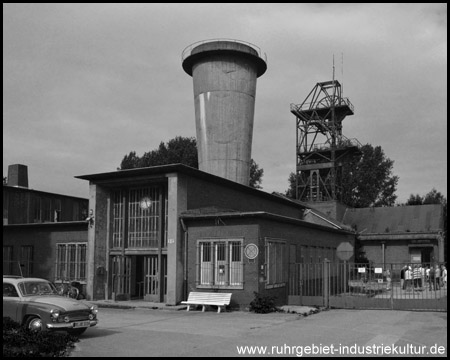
67, 304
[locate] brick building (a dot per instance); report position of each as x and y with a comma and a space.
400, 234
44, 234
162, 231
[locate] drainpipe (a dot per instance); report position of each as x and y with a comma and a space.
185, 280
383, 254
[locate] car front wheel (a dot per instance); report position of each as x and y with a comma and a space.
35, 324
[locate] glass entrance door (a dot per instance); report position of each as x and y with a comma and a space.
155, 278
121, 273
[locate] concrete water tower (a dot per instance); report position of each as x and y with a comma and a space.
224, 74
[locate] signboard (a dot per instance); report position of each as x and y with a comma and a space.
344, 251
251, 251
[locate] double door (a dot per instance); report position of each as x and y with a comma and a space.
140, 277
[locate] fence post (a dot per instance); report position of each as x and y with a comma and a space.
326, 283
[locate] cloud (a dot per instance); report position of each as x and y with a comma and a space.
85, 84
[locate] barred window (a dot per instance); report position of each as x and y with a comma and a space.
118, 219
144, 218
220, 263
71, 262
276, 271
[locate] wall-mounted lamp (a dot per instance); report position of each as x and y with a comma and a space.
90, 218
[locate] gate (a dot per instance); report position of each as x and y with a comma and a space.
364, 286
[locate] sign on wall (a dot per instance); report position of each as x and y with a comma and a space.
251, 251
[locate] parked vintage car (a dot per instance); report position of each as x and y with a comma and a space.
36, 304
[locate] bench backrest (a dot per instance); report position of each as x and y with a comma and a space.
205, 297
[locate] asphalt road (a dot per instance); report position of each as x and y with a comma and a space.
163, 333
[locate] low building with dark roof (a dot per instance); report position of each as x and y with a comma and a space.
401, 234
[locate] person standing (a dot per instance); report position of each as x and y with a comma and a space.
437, 274
431, 278
416, 277
402, 277
444, 276
408, 278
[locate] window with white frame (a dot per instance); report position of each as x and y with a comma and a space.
71, 261
276, 260
220, 263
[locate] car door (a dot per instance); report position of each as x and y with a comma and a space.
11, 301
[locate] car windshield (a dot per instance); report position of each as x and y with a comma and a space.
30, 288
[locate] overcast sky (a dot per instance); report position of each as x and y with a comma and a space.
85, 84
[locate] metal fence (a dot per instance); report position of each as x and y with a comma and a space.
369, 286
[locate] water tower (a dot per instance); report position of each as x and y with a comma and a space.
224, 74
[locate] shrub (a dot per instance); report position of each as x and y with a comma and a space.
19, 341
263, 304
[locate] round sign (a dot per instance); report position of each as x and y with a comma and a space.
344, 251
251, 251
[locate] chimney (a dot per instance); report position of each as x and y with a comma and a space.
18, 175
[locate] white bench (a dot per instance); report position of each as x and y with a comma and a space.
206, 298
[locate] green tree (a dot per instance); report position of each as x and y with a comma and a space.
366, 179
256, 175
291, 192
181, 150
414, 200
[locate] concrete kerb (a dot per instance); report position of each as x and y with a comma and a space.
300, 310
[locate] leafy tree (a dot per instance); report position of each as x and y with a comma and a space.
181, 150
414, 200
255, 175
178, 150
291, 192
366, 179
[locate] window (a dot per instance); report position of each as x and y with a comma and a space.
26, 260
57, 211
9, 290
275, 263
7, 260
5, 208
47, 215
71, 262
220, 263
144, 219
37, 214
118, 220
141, 210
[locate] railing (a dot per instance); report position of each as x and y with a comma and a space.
369, 286
188, 50
343, 142
322, 105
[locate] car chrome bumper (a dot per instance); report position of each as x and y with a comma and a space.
70, 325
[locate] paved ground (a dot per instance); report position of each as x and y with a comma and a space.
140, 332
